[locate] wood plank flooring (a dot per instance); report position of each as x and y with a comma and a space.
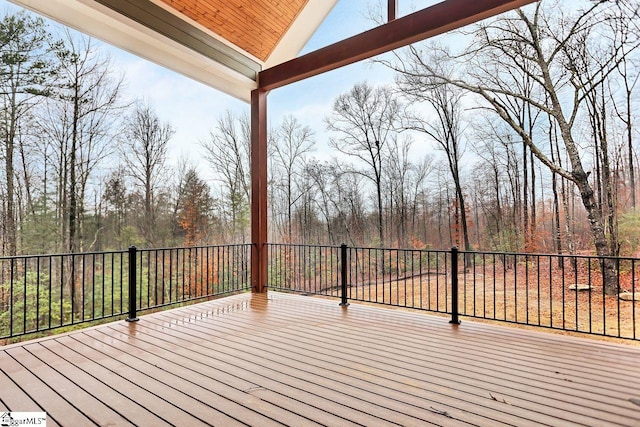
293, 360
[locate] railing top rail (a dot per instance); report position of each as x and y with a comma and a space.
545, 255
372, 248
229, 245
279, 244
68, 254
302, 245
116, 252
462, 252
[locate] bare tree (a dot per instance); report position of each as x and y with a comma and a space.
420, 173
541, 46
227, 150
320, 176
399, 169
81, 119
144, 151
494, 181
446, 129
366, 119
290, 144
115, 200
629, 75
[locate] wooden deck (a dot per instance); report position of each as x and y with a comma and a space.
297, 360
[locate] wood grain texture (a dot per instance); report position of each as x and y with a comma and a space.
294, 360
255, 26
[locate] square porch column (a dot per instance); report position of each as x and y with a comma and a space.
259, 191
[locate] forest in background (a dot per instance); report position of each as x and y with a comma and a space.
531, 120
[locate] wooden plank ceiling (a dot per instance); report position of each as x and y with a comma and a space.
256, 26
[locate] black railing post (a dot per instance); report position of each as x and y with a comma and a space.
343, 275
132, 285
454, 286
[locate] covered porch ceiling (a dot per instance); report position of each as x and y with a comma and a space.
228, 44
221, 43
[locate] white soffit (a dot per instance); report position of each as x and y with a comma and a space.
105, 24
300, 31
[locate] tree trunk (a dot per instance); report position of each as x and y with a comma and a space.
587, 195
533, 219
10, 217
632, 174
72, 175
379, 195
557, 231
525, 198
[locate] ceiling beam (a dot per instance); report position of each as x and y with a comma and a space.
440, 18
392, 10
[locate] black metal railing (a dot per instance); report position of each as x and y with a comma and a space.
40, 293
169, 276
398, 277
565, 292
586, 294
313, 270
594, 295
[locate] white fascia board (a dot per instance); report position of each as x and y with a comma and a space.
300, 31
105, 24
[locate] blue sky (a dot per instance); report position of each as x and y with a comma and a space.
192, 108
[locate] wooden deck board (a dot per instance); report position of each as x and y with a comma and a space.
73, 365
156, 394
358, 378
193, 379
439, 364
13, 397
48, 397
226, 374
368, 375
282, 379
300, 382
541, 403
41, 365
295, 360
